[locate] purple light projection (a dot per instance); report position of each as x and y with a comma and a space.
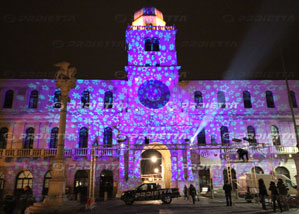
153, 103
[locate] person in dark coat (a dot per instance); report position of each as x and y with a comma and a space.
262, 193
185, 192
227, 187
192, 192
274, 196
9, 204
26, 198
283, 193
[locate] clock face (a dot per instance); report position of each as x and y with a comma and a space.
153, 94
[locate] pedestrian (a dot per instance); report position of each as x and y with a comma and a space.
9, 204
185, 192
262, 193
274, 196
192, 192
227, 187
26, 198
283, 193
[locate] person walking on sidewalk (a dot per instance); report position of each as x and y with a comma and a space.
227, 187
274, 196
262, 193
185, 192
283, 193
192, 192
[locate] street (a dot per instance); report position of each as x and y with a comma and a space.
205, 205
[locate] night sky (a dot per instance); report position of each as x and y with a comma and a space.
228, 39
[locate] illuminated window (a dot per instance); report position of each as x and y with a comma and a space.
8, 100
33, 99
29, 138
53, 138
23, 179
108, 99
57, 95
83, 138
3, 137
275, 135
201, 138
221, 99
270, 99
198, 99
224, 135
293, 99
85, 99
107, 136
247, 99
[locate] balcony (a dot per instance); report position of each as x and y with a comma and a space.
44, 153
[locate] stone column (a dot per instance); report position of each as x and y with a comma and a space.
56, 200
57, 183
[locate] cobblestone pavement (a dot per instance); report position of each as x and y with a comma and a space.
205, 205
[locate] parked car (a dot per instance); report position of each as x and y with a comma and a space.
150, 191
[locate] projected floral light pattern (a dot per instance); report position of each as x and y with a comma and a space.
153, 103
153, 94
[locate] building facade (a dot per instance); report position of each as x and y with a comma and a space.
189, 127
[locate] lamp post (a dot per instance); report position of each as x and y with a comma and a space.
56, 200
296, 156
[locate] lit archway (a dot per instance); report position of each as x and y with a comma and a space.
165, 162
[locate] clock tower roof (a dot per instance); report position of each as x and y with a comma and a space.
148, 16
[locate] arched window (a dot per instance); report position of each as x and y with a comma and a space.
53, 138
83, 138
2, 181
221, 99
201, 137
283, 171
29, 138
270, 99
33, 99
251, 134
24, 179
156, 46
275, 135
8, 100
148, 44
57, 95
85, 99
107, 136
47, 178
3, 137
224, 135
257, 170
293, 99
108, 99
198, 99
247, 99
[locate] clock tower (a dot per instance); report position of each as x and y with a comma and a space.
152, 69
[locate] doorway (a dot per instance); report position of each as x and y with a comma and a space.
106, 183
